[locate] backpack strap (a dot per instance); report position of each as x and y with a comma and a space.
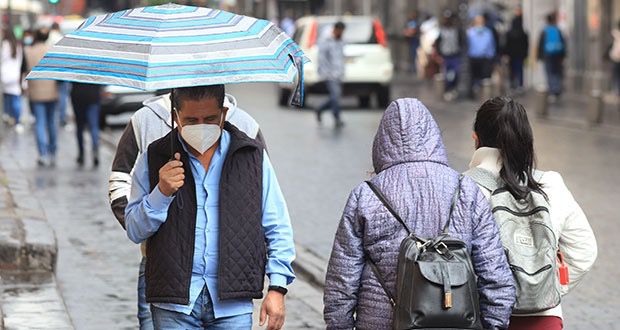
455, 199
372, 263
375, 270
484, 178
387, 205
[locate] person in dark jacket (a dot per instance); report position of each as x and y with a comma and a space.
449, 45
552, 51
214, 219
516, 49
86, 102
412, 169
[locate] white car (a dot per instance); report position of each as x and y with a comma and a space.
368, 60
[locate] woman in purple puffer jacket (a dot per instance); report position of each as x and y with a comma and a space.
412, 171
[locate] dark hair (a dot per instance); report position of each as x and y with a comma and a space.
517, 24
41, 35
55, 26
502, 123
197, 93
551, 18
339, 26
9, 36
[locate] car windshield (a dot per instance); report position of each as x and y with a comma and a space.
359, 31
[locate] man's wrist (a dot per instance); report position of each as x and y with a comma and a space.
278, 289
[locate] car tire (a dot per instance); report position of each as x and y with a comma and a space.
285, 95
364, 101
383, 96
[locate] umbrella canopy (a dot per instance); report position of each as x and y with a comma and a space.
171, 46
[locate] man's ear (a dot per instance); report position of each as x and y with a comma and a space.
225, 113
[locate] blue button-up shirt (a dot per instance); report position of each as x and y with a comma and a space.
147, 210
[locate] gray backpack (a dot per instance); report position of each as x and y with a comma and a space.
529, 242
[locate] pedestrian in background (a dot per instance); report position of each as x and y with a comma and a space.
64, 87
552, 51
86, 101
12, 57
428, 56
450, 44
412, 169
287, 24
28, 38
411, 32
331, 70
481, 53
516, 48
505, 150
614, 56
150, 123
43, 97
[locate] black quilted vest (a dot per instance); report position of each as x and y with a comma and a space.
242, 247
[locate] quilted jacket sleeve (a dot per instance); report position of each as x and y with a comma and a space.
344, 270
495, 282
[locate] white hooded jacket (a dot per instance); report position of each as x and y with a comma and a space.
570, 225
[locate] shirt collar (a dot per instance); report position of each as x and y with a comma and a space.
487, 158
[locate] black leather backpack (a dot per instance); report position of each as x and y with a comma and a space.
435, 282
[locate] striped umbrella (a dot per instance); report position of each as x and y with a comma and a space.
171, 46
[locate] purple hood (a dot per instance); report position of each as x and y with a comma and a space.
412, 169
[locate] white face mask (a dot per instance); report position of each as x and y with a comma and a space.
201, 137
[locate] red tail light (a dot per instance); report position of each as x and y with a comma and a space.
379, 33
313, 34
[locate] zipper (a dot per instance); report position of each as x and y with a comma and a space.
521, 214
517, 268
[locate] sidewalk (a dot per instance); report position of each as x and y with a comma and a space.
570, 111
29, 295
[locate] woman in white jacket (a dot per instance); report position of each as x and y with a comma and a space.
11, 77
505, 148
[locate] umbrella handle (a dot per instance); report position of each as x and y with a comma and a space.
171, 124
297, 99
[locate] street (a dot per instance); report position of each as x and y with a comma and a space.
317, 166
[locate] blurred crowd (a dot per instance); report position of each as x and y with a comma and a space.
442, 45
46, 99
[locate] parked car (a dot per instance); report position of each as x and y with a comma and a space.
368, 60
116, 100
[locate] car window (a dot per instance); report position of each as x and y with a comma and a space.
356, 31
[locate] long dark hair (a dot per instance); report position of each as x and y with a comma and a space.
502, 123
10, 37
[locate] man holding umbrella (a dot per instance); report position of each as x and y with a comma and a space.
214, 218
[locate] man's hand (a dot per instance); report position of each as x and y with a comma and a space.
273, 306
171, 176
